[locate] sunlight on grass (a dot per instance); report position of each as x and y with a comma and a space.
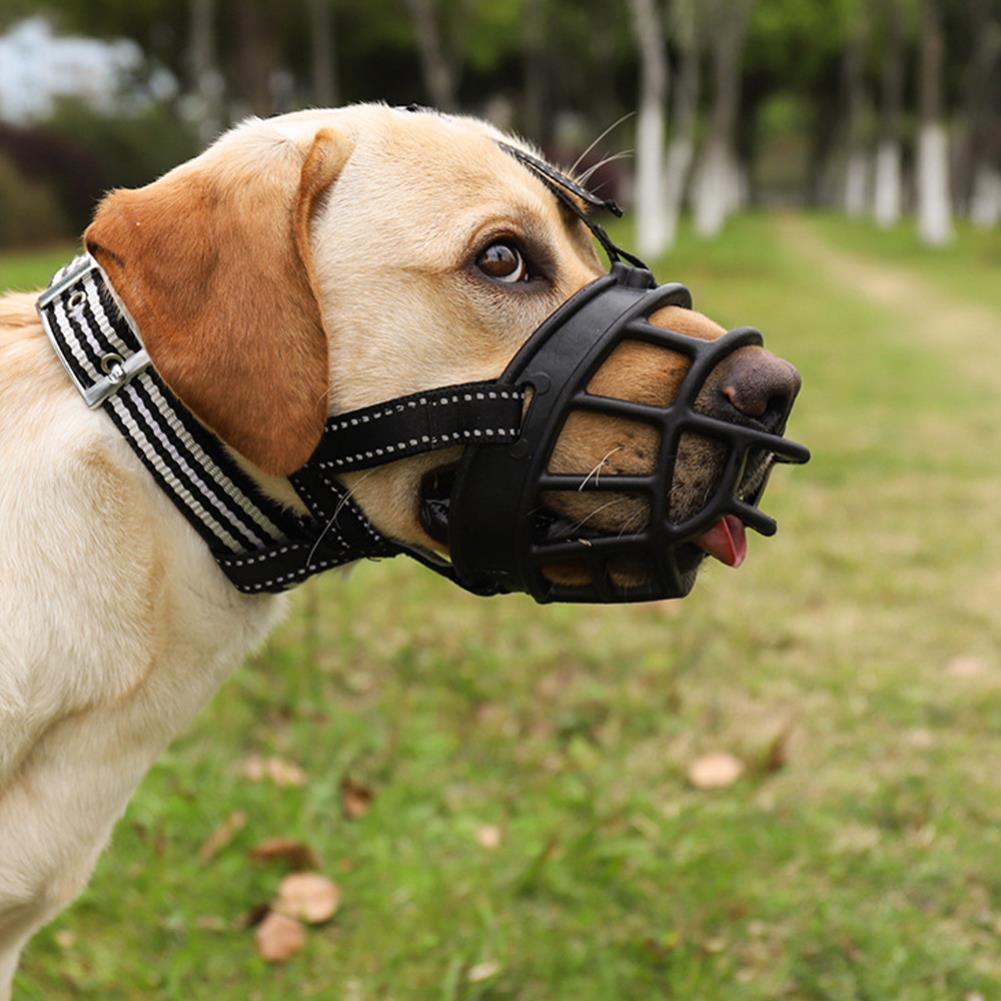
863, 863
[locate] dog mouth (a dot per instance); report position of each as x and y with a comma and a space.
725, 541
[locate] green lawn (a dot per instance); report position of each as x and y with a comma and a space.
867, 866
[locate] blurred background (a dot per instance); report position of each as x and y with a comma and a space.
876, 109
786, 786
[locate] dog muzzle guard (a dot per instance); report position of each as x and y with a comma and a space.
500, 535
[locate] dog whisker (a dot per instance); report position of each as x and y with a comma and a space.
333, 517
601, 507
614, 125
621, 155
596, 472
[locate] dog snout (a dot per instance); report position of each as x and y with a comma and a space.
753, 384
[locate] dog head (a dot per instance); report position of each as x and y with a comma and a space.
328, 260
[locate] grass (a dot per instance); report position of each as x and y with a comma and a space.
25, 272
867, 867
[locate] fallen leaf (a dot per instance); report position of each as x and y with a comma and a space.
280, 771
65, 939
966, 666
715, 771
222, 836
483, 971
297, 853
278, 937
489, 836
308, 896
355, 798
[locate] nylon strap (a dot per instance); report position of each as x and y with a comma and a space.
454, 415
261, 546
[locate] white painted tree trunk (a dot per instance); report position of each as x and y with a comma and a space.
985, 201
934, 194
856, 184
712, 189
887, 194
934, 208
652, 231
738, 185
438, 71
680, 153
718, 187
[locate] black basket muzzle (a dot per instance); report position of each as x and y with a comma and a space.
501, 536
493, 511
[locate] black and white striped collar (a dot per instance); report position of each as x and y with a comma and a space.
259, 544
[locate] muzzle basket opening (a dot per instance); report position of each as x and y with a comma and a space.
656, 545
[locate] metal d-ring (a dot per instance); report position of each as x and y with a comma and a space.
112, 365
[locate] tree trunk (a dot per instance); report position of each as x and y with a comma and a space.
934, 194
681, 148
979, 181
650, 195
257, 55
857, 161
985, 199
324, 57
439, 75
888, 195
207, 84
717, 183
534, 67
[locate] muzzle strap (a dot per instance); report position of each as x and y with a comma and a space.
476, 412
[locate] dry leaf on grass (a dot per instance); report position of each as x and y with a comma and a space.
483, 971
308, 896
296, 853
715, 771
489, 836
279, 937
966, 666
355, 798
280, 771
222, 836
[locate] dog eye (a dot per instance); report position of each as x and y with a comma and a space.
503, 262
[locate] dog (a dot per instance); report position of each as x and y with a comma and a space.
302, 266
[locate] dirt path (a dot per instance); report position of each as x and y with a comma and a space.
933, 317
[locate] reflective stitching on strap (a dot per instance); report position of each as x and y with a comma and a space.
338, 424
425, 439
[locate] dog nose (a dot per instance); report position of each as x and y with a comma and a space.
760, 386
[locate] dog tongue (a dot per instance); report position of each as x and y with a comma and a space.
726, 540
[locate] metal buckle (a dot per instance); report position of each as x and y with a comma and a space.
118, 371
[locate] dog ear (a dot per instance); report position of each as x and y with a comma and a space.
213, 262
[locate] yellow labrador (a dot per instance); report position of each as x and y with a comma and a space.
302, 266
